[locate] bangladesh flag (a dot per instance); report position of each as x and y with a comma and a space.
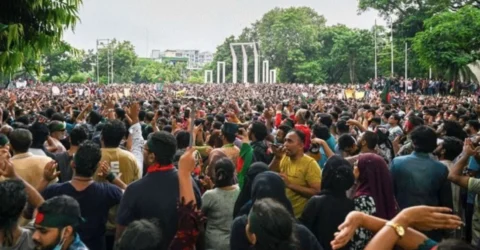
385, 95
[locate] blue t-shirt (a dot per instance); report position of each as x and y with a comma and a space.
95, 201
331, 144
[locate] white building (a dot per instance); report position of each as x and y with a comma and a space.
196, 59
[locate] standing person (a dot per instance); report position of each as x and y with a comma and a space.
447, 152
57, 134
374, 194
246, 192
394, 127
420, 180
301, 118
77, 137
218, 205
95, 198
27, 165
327, 210
228, 133
257, 132
301, 173
139, 202
56, 225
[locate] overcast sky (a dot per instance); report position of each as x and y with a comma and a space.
191, 24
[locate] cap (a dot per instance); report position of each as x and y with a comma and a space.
55, 126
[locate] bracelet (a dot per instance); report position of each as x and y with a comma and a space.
110, 177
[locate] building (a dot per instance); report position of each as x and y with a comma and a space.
195, 58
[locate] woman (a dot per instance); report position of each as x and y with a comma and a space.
374, 194
327, 210
246, 192
270, 226
217, 205
269, 185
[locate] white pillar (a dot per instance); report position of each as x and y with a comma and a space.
207, 78
234, 64
255, 57
245, 64
265, 71
220, 68
273, 76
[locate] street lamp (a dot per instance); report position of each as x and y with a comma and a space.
102, 43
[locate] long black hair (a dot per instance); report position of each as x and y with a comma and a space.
273, 226
13, 199
224, 173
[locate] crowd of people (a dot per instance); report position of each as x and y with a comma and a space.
237, 166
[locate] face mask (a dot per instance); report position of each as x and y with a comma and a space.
62, 241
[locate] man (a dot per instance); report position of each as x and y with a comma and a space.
257, 132
40, 135
95, 198
56, 223
77, 136
347, 145
57, 134
471, 183
228, 136
301, 173
281, 133
155, 195
447, 151
394, 128
411, 123
420, 180
120, 161
27, 165
473, 168
366, 144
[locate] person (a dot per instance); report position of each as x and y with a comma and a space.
281, 133
40, 134
400, 230
301, 173
447, 151
366, 144
257, 132
139, 202
77, 137
218, 205
327, 210
57, 134
122, 162
228, 133
411, 123
394, 129
301, 118
147, 234
56, 225
270, 226
27, 165
246, 191
420, 180
347, 145
95, 198
374, 194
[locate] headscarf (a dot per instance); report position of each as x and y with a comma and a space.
337, 176
375, 181
270, 185
213, 157
246, 192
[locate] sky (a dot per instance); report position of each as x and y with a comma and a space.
192, 24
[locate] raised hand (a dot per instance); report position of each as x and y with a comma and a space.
50, 172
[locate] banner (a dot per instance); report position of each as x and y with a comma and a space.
349, 93
21, 84
181, 93
55, 90
359, 95
126, 92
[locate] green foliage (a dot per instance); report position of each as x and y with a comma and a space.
29, 27
124, 60
61, 62
450, 41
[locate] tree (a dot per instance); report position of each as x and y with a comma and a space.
61, 62
29, 27
450, 41
124, 59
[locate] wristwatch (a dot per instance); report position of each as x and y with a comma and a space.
398, 229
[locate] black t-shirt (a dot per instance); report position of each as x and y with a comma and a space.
154, 196
95, 201
239, 241
66, 172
